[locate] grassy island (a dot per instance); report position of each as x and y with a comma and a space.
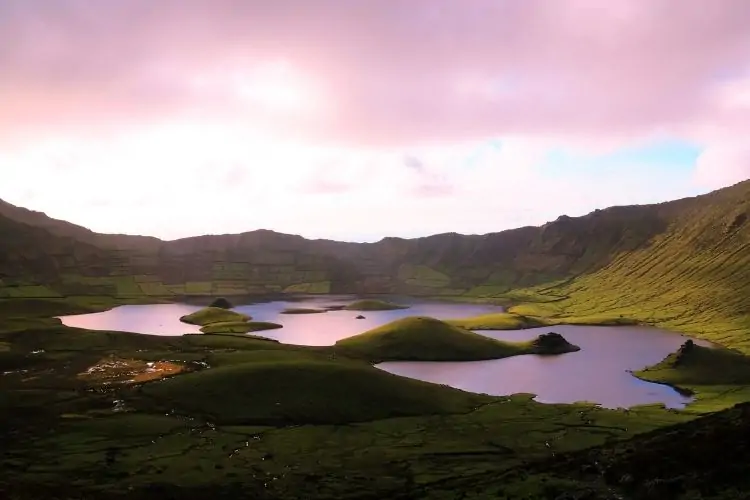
219, 320
428, 339
303, 310
240, 327
212, 315
373, 305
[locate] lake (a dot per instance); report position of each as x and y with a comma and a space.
598, 373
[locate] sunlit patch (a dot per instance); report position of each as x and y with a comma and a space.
130, 371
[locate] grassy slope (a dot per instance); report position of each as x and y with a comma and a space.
695, 277
702, 459
301, 390
428, 339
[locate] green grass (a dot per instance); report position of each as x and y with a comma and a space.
239, 327
422, 276
210, 315
535, 309
719, 378
498, 321
342, 429
320, 287
593, 320
294, 391
373, 305
303, 310
199, 287
28, 291
428, 339
700, 459
514, 320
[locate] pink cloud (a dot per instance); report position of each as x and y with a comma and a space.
393, 72
723, 166
383, 104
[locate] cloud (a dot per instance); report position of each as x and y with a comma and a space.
311, 117
372, 72
723, 166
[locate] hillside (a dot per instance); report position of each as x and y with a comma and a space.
683, 264
693, 277
428, 339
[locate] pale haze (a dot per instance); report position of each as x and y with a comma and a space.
361, 119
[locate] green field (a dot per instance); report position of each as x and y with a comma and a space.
263, 418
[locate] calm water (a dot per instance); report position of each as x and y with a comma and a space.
597, 373
303, 329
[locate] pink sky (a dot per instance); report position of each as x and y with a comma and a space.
356, 119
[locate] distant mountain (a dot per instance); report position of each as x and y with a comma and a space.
684, 264
63, 228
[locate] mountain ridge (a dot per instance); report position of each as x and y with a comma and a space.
40, 218
659, 263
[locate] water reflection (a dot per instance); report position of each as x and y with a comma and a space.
597, 373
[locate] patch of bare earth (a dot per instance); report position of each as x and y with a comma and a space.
130, 371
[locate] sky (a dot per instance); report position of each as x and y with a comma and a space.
359, 119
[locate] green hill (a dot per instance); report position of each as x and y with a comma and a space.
302, 390
428, 339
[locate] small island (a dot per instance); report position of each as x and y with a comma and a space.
373, 305
219, 320
209, 315
429, 339
303, 310
240, 327
552, 343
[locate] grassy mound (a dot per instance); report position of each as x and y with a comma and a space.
373, 305
209, 315
302, 310
305, 391
498, 321
718, 377
239, 327
428, 339
693, 364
